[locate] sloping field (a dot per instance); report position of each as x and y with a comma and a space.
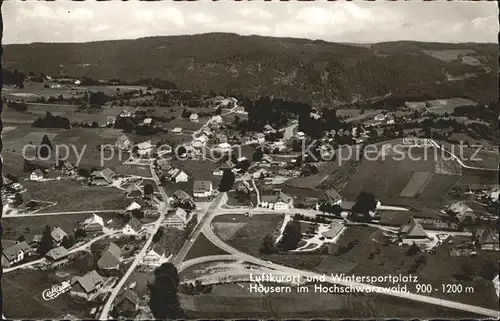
226, 230
417, 184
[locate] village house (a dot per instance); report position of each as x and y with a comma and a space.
216, 120
122, 142
36, 239
333, 197
103, 177
221, 138
93, 224
194, 118
379, 117
163, 164
127, 304
261, 174
57, 257
125, 114
177, 131
110, 258
200, 141
268, 129
278, 201
224, 147
145, 148
178, 219
57, 235
412, 232
488, 239
462, 212
240, 110
217, 172
300, 135
259, 138
36, 175
133, 206
244, 186
15, 254
202, 189
155, 257
87, 286
110, 120
183, 199
134, 191
147, 122
132, 227
176, 175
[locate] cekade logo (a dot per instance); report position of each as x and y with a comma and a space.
56, 290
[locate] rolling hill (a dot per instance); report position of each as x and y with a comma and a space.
307, 70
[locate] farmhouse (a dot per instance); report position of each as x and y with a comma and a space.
147, 121
57, 235
301, 135
333, 197
133, 206
177, 175
155, 257
87, 286
202, 189
66, 167
36, 175
15, 254
103, 177
163, 164
240, 110
177, 130
93, 224
488, 240
183, 198
462, 212
110, 258
57, 256
177, 219
133, 227
125, 114
412, 232
279, 201
127, 304
217, 120
194, 118
260, 137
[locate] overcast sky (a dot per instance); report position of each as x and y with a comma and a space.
30, 21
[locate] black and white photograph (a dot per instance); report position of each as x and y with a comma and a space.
249, 160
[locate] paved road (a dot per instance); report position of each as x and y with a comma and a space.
205, 259
142, 253
63, 213
460, 161
207, 231
179, 257
256, 192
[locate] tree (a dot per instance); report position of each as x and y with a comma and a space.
46, 244
45, 147
68, 241
95, 124
148, 189
257, 155
227, 181
137, 213
163, 300
218, 111
21, 238
365, 204
158, 235
185, 113
83, 172
267, 246
79, 233
18, 199
291, 236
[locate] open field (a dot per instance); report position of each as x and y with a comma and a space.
22, 298
185, 124
331, 174
226, 230
73, 196
417, 184
448, 55
249, 238
29, 226
236, 301
203, 247
172, 240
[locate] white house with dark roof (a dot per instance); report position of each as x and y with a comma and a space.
177, 130
36, 175
177, 175
15, 254
103, 177
133, 227
95, 223
155, 257
278, 201
202, 189
413, 232
178, 219
194, 118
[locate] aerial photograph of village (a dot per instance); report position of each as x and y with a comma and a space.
265, 160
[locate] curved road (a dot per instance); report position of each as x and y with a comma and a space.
208, 232
459, 160
206, 259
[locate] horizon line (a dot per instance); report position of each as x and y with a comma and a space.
242, 35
